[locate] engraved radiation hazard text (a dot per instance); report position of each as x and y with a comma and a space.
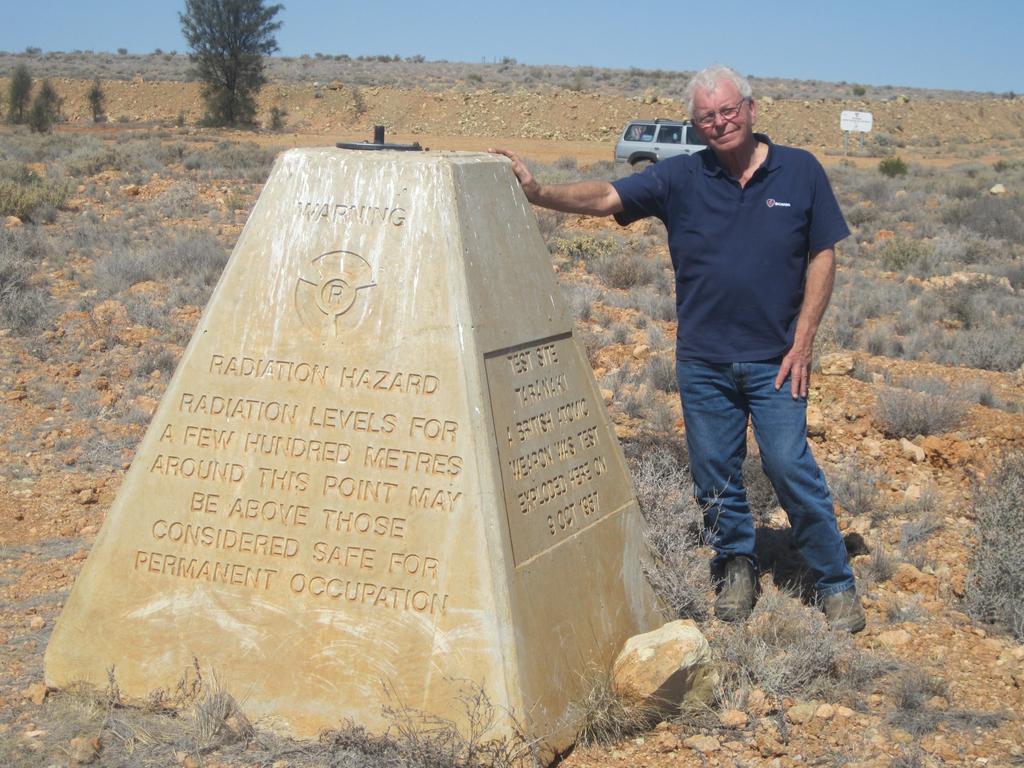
332, 295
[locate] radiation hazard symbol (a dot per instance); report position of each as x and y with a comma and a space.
332, 296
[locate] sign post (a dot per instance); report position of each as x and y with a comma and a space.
859, 122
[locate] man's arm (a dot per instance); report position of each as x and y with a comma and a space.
595, 198
821, 273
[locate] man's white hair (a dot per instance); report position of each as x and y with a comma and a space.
708, 80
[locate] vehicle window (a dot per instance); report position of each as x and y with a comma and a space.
693, 137
640, 132
670, 134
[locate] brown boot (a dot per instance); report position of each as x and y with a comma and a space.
844, 612
738, 590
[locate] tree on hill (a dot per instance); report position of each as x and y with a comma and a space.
229, 39
45, 109
19, 90
96, 98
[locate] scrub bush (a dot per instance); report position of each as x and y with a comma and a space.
898, 253
995, 583
674, 529
892, 167
900, 413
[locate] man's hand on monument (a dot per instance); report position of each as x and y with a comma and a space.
529, 184
797, 366
594, 197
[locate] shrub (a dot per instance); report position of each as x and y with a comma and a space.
586, 248
787, 650
277, 118
900, 413
19, 90
45, 110
22, 305
581, 298
855, 487
23, 193
898, 253
995, 583
674, 529
96, 97
892, 167
197, 258
122, 268
989, 216
662, 372
625, 270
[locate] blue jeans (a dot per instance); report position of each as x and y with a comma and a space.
718, 399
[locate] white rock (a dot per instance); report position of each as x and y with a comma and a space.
837, 364
910, 451
666, 667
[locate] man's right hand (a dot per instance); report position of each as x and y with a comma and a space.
530, 185
594, 198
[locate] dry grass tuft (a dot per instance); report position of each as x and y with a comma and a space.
607, 715
786, 650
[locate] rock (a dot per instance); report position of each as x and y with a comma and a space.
36, 693
733, 718
666, 667
87, 496
146, 404
703, 744
910, 451
912, 493
970, 279
10, 222
110, 314
36, 623
844, 712
825, 712
815, 422
910, 579
872, 447
83, 751
837, 364
801, 713
997, 189
641, 351
132, 190
767, 742
758, 704
894, 638
666, 741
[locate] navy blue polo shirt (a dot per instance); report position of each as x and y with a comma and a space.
739, 254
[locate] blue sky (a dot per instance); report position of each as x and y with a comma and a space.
932, 44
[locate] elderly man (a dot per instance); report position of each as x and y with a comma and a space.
752, 228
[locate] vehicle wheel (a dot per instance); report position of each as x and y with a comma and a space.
641, 164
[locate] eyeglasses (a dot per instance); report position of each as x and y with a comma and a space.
728, 114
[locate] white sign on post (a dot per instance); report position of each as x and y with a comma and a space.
855, 121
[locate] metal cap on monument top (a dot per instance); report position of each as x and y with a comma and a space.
382, 468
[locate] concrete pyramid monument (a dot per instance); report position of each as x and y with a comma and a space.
382, 468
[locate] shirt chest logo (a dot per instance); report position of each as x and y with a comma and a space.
771, 202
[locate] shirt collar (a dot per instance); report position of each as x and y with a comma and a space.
713, 168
